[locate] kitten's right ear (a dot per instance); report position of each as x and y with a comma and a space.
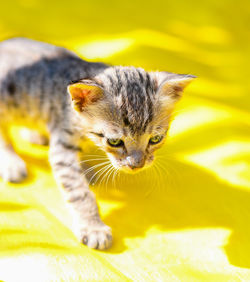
84, 93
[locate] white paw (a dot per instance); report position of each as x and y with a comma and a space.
97, 237
12, 167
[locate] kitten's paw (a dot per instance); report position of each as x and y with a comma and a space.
12, 168
97, 237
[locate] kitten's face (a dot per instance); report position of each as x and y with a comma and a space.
128, 152
126, 112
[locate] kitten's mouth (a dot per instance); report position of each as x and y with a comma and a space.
130, 168
134, 170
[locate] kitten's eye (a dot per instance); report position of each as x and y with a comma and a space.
115, 142
155, 139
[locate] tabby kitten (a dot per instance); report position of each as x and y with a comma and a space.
124, 110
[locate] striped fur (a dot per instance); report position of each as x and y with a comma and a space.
134, 106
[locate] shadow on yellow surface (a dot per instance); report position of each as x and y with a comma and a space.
185, 209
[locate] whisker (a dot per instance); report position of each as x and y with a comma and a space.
114, 175
148, 193
95, 166
106, 176
159, 171
95, 156
103, 175
103, 171
90, 160
110, 173
100, 170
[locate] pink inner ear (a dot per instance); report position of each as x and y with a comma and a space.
83, 95
79, 93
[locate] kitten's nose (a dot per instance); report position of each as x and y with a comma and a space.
136, 160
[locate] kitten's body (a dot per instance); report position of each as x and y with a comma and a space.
109, 104
34, 77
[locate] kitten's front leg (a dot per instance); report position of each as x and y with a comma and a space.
65, 164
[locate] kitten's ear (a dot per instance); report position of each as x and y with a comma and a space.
84, 93
172, 85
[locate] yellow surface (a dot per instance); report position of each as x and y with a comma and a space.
187, 220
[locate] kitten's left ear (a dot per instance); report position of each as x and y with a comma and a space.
171, 84
84, 93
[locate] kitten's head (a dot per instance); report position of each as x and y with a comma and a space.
126, 111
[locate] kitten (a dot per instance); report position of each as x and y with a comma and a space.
124, 110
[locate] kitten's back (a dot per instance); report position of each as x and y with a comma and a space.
29, 48
34, 76
16, 53
19, 52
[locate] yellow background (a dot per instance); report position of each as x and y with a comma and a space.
186, 221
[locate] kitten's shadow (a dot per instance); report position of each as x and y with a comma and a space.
198, 193
190, 191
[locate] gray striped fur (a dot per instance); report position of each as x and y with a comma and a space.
135, 105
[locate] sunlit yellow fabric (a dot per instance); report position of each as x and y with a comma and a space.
187, 219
